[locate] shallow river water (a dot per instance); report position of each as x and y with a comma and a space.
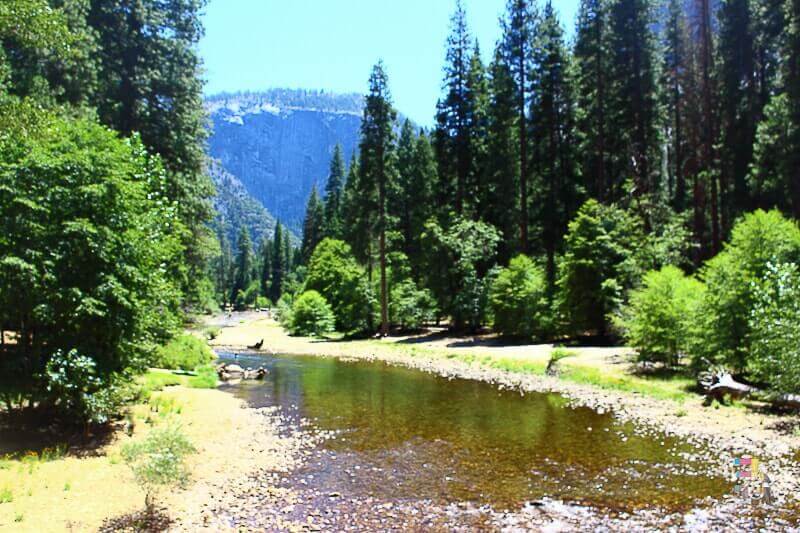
405, 435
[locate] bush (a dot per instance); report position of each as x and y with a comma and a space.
76, 389
159, 461
334, 273
311, 315
410, 306
775, 329
722, 333
518, 300
284, 309
184, 352
658, 319
262, 302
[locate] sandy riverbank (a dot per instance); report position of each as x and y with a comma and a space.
78, 492
733, 431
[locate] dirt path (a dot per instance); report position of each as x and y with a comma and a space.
734, 431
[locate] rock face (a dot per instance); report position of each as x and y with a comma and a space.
235, 207
279, 143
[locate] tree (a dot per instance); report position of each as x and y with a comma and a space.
516, 44
149, 82
632, 99
335, 274
313, 225
774, 325
459, 258
758, 240
223, 265
410, 204
557, 192
266, 250
518, 300
311, 315
280, 264
592, 59
244, 264
499, 190
478, 121
452, 136
376, 169
660, 315
333, 195
90, 247
598, 266
675, 85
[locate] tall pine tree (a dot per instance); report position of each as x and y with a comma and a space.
333, 195
313, 226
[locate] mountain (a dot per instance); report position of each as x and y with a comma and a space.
235, 207
279, 143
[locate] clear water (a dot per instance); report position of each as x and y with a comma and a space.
406, 434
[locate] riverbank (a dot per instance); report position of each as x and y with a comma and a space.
601, 378
66, 489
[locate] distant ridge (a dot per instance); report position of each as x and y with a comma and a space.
278, 143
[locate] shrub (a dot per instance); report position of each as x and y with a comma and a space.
775, 329
262, 302
311, 315
184, 352
410, 306
658, 318
722, 333
334, 273
284, 309
518, 299
76, 389
158, 461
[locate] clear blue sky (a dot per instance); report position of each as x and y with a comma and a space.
332, 44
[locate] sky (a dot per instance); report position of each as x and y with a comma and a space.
332, 45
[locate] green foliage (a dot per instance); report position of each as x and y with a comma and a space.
334, 273
159, 461
411, 306
459, 257
184, 352
313, 225
311, 315
90, 246
75, 388
660, 315
518, 300
597, 267
722, 333
775, 329
206, 377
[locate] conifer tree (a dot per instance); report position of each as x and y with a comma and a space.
279, 264
675, 86
333, 195
313, 225
266, 265
633, 99
499, 190
376, 151
556, 191
452, 139
592, 89
516, 45
244, 263
478, 122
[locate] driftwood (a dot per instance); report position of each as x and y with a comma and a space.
719, 383
256, 346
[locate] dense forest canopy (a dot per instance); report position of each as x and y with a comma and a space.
647, 149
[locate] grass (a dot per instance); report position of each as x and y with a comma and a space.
206, 378
6, 495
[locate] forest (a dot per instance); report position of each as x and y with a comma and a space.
639, 184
